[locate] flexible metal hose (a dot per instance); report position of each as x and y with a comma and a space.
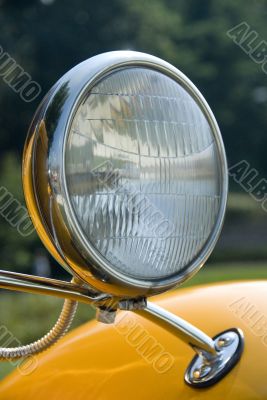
60, 328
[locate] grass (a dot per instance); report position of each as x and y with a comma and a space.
28, 317
228, 272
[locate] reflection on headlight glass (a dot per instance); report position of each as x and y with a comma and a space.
142, 173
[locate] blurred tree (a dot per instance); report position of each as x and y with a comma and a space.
16, 250
48, 37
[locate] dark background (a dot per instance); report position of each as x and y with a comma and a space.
49, 37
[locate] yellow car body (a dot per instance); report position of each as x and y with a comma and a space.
108, 362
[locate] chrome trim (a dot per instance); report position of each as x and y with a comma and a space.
203, 372
45, 186
53, 287
214, 357
182, 329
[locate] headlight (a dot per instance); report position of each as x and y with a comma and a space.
125, 174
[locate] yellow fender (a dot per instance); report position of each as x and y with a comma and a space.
138, 360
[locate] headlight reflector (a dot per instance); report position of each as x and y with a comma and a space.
142, 173
136, 174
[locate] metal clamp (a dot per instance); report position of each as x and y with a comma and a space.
214, 358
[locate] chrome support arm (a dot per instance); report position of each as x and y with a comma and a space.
53, 287
214, 357
73, 292
181, 328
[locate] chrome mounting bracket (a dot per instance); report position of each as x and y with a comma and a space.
215, 357
205, 371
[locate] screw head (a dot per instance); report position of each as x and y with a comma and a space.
201, 372
224, 341
196, 374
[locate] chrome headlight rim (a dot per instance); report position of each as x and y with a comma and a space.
91, 71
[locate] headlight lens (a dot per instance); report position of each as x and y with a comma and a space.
125, 174
143, 173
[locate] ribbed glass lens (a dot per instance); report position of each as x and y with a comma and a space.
143, 173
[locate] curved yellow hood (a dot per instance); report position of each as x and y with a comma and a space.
138, 360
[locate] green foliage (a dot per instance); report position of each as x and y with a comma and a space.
15, 250
48, 37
